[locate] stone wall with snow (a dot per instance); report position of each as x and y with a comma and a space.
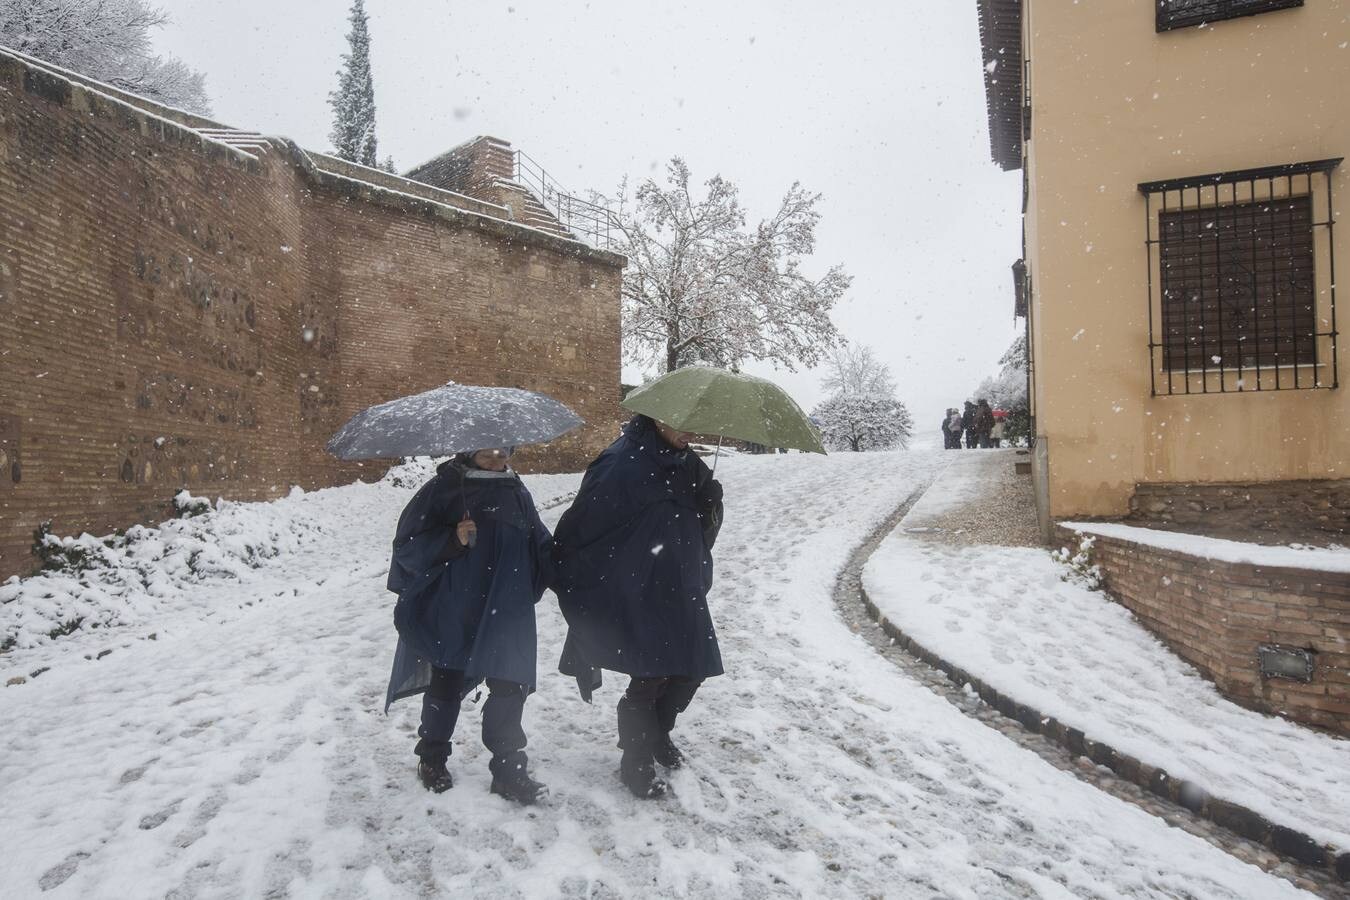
1218, 603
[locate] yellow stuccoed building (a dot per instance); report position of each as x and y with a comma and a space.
1183, 181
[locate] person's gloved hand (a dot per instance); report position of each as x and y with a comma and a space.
709, 495
709, 501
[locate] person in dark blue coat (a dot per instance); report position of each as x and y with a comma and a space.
471, 559
634, 566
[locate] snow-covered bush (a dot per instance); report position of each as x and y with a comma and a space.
862, 412
189, 506
1082, 570
413, 472
861, 424
122, 578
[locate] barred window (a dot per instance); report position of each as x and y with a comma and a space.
1186, 13
1241, 293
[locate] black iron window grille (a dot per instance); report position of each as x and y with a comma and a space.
1186, 13
1241, 280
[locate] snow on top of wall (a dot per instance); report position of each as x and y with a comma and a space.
208, 134
334, 165
1220, 550
114, 95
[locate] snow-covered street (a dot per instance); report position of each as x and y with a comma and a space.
243, 752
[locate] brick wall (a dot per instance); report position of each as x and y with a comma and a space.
472, 168
176, 314
1215, 614
1272, 512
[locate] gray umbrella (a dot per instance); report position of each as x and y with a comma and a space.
455, 418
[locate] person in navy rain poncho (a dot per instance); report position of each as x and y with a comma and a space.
471, 559
634, 566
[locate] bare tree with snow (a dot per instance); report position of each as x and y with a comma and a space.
107, 40
353, 102
701, 286
854, 369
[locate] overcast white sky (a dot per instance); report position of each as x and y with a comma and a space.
877, 105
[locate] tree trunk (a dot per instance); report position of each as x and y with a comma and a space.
672, 357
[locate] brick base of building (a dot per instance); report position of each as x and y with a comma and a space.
1274, 512
1216, 615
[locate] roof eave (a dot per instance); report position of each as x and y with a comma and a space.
1001, 50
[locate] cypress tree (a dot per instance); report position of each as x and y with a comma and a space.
353, 103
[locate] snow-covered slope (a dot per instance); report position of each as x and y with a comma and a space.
1005, 615
243, 752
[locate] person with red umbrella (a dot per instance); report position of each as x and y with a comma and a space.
1000, 428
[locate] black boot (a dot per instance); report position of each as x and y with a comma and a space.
439, 714
434, 776
640, 777
511, 780
638, 731
504, 736
666, 753
675, 699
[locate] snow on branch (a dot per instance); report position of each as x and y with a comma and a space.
107, 40
703, 287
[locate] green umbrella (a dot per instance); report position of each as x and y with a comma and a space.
703, 400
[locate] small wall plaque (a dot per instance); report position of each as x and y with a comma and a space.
1285, 662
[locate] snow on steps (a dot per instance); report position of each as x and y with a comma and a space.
250, 142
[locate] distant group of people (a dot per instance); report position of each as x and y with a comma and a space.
979, 424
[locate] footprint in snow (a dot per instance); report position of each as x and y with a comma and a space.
59, 873
156, 819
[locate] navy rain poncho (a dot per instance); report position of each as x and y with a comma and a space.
467, 609
634, 563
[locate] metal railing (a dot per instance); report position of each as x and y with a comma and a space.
590, 222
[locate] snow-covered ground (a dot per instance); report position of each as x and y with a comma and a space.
1006, 615
243, 751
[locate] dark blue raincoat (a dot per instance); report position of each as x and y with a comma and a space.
470, 609
634, 563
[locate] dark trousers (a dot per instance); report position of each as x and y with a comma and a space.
972, 439
648, 710
503, 733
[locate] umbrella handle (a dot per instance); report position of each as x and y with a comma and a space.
716, 455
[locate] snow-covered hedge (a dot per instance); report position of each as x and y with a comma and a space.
94, 582
90, 582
